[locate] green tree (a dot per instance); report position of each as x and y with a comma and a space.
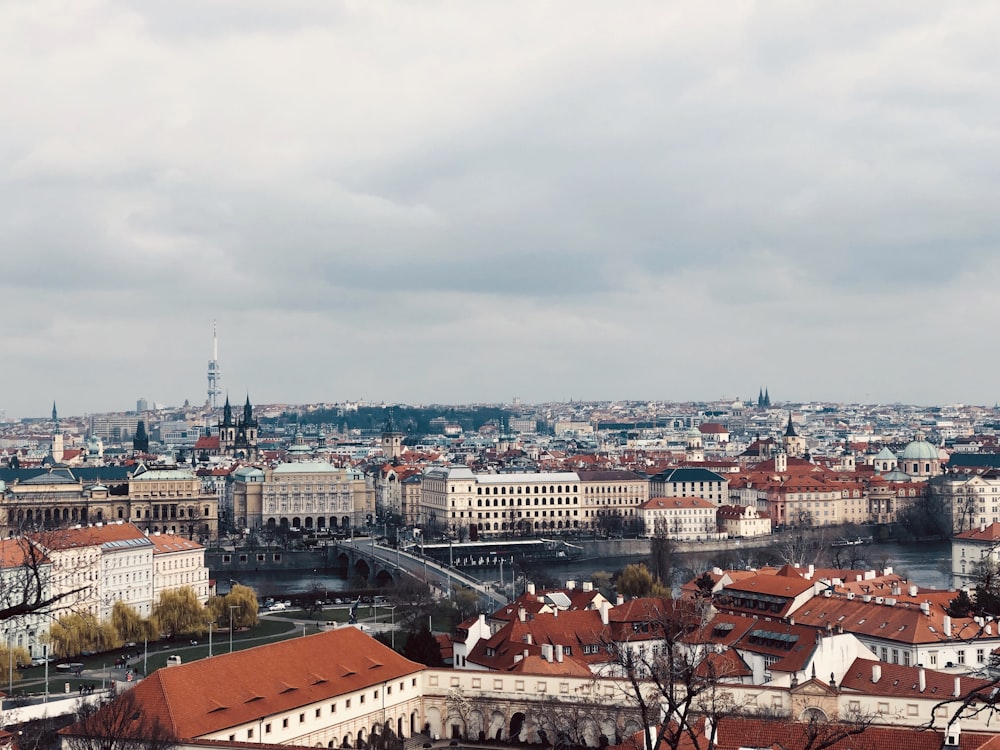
80, 631
179, 612
466, 601
421, 646
637, 581
129, 626
961, 606
245, 615
15, 656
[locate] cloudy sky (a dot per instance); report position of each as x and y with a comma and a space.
471, 201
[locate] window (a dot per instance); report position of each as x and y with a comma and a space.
267, 729
250, 733
347, 703
961, 656
302, 718
284, 723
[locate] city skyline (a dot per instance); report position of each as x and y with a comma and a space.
459, 203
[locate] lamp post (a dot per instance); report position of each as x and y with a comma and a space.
392, 627
10, 666
211, 627
145, 654
232, 626
45, 655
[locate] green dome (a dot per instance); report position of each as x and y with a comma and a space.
920, 450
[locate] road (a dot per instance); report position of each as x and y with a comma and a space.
427, 570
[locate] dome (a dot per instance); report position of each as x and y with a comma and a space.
919, 450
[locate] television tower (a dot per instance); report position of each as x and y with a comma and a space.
214, 375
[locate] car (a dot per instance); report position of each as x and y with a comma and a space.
130, 644
194, 642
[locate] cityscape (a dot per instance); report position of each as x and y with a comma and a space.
560, 375
751, 539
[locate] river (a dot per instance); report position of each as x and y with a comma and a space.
925, 564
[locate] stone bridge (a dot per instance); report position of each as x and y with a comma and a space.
359, 562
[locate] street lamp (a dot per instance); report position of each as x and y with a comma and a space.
211, 627
232, 627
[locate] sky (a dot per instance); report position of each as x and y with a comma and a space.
460, 202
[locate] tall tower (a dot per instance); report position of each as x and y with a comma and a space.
214, 374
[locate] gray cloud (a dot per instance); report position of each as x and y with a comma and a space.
495, 195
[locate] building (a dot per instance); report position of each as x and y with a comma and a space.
495, 503
681, 518
238, 437
743, 521
332, 689
159, 498
970, 550
611, 498
305, 494
179, 563
690, 482
25, 577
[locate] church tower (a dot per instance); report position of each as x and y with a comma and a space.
227, 430
246, 432
392, 440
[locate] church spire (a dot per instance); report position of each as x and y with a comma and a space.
227, 414
790, 428
55, 414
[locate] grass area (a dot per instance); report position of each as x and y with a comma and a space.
329, 614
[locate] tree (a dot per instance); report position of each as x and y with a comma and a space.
25, 582
245, 615
928, 516
76, 632
673, 680
661, 558
17, 657
179, 612
961, 606
637, 581
466, 601
129, 626
120, 724
421, 646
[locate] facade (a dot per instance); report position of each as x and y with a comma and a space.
497, 503
971, 549
972, 500
179, 563
170, 500
305, 495
743, 521
158, 498
610, 493
690, 482
681, 518
25, 576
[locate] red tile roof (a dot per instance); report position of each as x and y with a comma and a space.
210, 695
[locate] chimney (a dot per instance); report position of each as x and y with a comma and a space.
518, 657
922, 679
913, 589
619, 600
588, 586
559, 654
876, 672
570, 585
925, 607
605, 606
531, 589
895, 590
958, 686
521, 614
555, 612
812, 570
527, 639
946, 624
547, 652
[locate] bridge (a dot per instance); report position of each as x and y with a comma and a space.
383, 566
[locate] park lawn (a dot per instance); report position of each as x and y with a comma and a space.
327, 614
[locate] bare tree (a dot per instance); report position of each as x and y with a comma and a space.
669, 683
120, 724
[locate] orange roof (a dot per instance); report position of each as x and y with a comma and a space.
172, 543
210, 695
989, 533
87, 536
